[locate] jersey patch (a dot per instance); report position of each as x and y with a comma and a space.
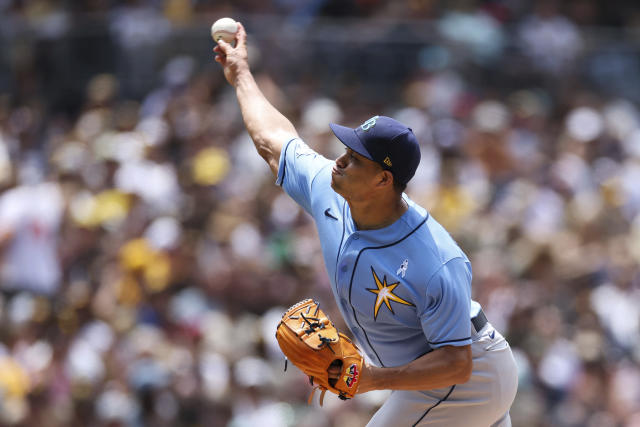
402, 271
384, 293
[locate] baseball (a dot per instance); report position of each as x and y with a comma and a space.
225, 29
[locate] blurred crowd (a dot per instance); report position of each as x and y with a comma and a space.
146, 255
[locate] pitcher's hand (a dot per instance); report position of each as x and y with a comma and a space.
234, 60
364, 383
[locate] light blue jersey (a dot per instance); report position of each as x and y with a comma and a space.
404, 289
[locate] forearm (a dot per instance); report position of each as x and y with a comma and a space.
440, 368
268, 128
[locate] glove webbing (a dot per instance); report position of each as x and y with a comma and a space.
313, 326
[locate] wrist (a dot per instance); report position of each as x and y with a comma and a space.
243, 75
368, 378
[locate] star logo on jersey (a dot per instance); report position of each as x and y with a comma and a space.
384, 294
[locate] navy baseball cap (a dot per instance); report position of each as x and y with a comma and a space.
385, 141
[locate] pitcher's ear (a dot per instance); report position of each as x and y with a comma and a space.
386, 178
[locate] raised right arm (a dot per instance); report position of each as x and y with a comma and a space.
268, 128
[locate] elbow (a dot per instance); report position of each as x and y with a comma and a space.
261, 142
268, 145
265, 152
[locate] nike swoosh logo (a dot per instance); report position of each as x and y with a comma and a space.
492, 334
328, 214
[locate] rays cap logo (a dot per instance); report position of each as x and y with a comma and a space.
386, 141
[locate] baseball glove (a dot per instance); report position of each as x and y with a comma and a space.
311, 342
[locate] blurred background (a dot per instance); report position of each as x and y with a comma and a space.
146, 254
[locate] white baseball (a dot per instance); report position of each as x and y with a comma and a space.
225, 29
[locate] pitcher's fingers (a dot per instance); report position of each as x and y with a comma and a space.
241, 35
223, 46
219, 54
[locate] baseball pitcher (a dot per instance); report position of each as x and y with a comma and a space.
401, 282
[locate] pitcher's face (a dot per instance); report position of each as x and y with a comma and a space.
354, 176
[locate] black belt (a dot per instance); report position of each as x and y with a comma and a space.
479, 320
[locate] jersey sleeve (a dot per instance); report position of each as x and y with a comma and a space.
298, 167
445, 315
